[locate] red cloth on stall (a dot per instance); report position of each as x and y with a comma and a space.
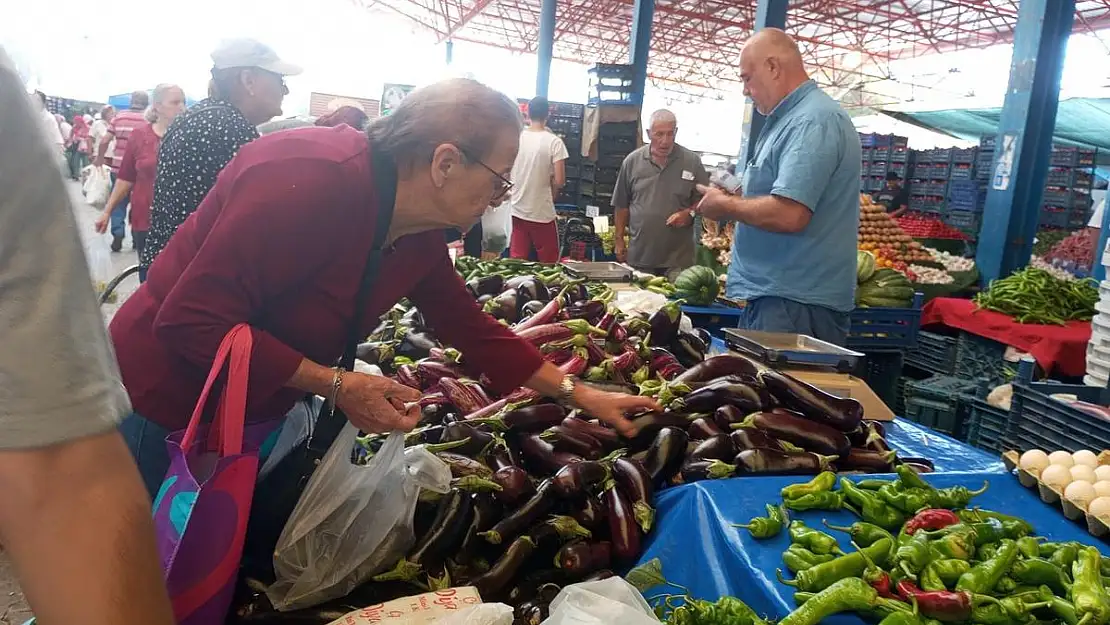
1061, 349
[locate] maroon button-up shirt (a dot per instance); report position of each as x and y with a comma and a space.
280, 242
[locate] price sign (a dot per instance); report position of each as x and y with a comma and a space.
592, 211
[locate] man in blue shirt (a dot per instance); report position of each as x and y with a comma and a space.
794, 247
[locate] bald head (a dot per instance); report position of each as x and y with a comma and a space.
771, 67
662, 128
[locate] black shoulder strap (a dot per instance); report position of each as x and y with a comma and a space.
384, 170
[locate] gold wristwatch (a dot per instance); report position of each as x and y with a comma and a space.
566, 389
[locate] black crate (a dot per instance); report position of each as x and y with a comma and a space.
618, 129
877, 169
1037, 421
934, 352
987, 425
978, 357
966, 221
606, 175
934, 403
612, 71
899, 154
967, 156
988, 142
880, 153
616, 145
882, 371
567, 109
568, 126
1072, 157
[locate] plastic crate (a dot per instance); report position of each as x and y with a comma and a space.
1041, 422
935, 403
865, 154
899, 154
968, 155
877, 169
1058, 197
962, 172
935, 353
1072, 157
965, 189
940, 171
567, 109
867, 139
882, 371
880, 153
963, 220
978, 357
987, 425
988, 141
885, 329
941, 155
713, 318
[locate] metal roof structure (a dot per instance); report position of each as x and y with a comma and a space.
697, 43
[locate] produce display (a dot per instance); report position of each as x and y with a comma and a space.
1076, 251
880, 287
920, 555
881, 234
1032, 295
921, 227
1062, 274
1082, 479
717, 237
951, 262
922, 274
1047, 239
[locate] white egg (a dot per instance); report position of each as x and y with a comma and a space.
1083, 473
1061, 457
1102, 472
1080, 493
1100, 508
1102, 488
1034, 461
1056, 477
1085, 456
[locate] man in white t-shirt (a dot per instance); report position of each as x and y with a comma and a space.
538, 174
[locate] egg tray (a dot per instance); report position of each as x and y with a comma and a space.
1095, 526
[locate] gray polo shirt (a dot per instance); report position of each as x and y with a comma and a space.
58, 374
652, 194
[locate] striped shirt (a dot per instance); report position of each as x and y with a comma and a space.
120, 128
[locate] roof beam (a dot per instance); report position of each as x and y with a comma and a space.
479, 6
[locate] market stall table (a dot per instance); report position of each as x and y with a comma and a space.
700, 549
1057, 349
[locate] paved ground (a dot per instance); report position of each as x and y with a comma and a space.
13, 609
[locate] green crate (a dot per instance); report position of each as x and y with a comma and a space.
934, 352
935, 403
978, 357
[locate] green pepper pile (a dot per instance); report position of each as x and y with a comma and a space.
1036, 296
920, 557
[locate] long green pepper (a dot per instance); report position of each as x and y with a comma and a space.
852, 565
823, 482
816, 541
766, 526
1092, 602
983, 577
871, 507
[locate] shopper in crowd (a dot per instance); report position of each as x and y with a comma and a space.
471, 241
139, 165
49, 126
74, 519
538, 174
894, 196
794, 246
98, 131
111, 153
653, 198
65, 127
77, 150
352, 116
247, 88
281, 242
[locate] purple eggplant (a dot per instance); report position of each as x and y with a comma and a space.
435, 413
476, 440
867, 460
649, 424
634, 481
718, 367
624, 532
751, 438
576, 479
591, 310
430, 372
462, 395
589, 512
664, 323
726, 391
875, 440
502, 573
703, 428
485, 285
727, 415
705, 469
514, 484
719, 447
765, 461
564, 439
506, 305
531, 309
581, 558
529, 287
608, 437
416, 343
919, 465
486, 513
842, 413
526, 515
539, 455
462, 466
665, 454
374, 352
406, 374
688, 348
452, 519
796, 429
534, 418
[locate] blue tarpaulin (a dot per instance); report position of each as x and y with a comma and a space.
123, 101
699, 548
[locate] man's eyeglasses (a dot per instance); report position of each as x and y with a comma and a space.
503, 183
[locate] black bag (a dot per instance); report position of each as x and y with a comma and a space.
277, 494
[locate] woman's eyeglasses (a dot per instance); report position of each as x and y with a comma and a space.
503, 183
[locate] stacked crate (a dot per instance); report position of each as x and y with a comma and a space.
929, 180
611, 83
882, 154
615, 141
565, 120
966, 195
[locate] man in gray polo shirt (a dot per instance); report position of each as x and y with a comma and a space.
653, 197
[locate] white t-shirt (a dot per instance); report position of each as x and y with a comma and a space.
50, 129
531, 195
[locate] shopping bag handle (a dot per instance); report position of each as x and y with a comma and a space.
230, 419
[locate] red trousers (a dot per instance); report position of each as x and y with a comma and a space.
528, 234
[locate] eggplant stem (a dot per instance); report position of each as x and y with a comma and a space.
404, 571
492, 537
644, 515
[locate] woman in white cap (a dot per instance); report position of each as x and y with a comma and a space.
247, 88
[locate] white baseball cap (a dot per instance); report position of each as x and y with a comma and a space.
250, 53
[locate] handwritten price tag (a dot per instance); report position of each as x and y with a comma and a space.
415, 610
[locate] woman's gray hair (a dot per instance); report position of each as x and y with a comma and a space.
157, 97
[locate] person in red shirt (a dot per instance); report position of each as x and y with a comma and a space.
280, 242
119, 133
140, 163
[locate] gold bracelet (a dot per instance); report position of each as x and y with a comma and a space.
336, 382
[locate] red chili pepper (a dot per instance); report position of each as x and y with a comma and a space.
941, 605
931, 519
881, 584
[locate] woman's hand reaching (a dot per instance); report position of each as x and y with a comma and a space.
611, 408
377, 404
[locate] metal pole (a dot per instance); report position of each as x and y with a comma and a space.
1024, 145
640, 48
545, 47
768, 14
450, 51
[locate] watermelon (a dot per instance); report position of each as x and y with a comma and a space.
886, 288
698, 285
865, 266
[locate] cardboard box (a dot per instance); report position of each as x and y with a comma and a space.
844, 385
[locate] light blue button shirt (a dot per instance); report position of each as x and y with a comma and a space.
808, 152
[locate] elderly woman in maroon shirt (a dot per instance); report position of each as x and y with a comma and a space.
280, 242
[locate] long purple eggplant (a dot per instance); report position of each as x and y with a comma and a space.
589, 512
539, 455
527, 514
634, 481
608, 437
486, 285
842, 413
875, 440
515, 485
796, 429
564, 439
664, 456
623, 530
751, 438
535, 418
719, 447
726, 391
703, 428
705, 469
581, 558
462, 466
718, 367
430, 372
462, 395
486, 513
664, 323
775, 462
406, 374
727, 415
502, 573
649, 424
867, 460
476, 440
576, 479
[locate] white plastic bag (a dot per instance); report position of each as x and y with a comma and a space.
98, 186
497, 228
610, 601
352, 521
481, 614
